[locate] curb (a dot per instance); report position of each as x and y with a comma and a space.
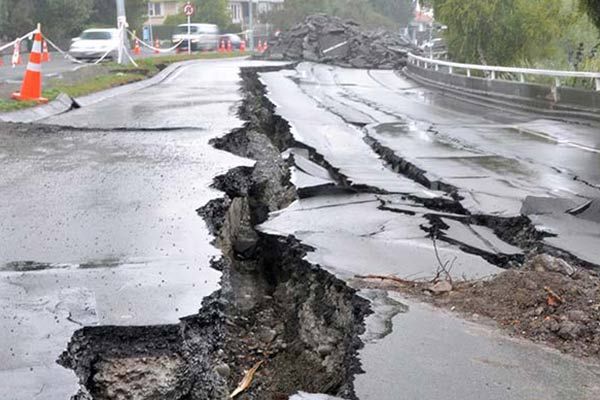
97, 97
64, 103
61, 104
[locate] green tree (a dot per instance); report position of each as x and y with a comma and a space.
399, 11
213, 12
499, 31
592, 7
207, 11
63, 19
60, 19
361, 11
104, 13
16, 18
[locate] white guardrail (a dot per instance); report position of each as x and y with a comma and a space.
493, 71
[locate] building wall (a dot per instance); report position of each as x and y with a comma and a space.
239, 10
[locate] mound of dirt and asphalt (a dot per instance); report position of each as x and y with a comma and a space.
331, 40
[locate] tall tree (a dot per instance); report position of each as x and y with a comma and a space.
63, 19
104, 12
399, 11
207, 11
499, 31
60, 19
361, 11
592, 7
16, 18
213, 12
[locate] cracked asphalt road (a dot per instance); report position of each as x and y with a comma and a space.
98, 225
500, 164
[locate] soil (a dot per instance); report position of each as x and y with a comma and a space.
556, 306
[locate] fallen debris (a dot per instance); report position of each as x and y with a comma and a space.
530, 302
247, 381
331, 40
392, 278
553, 299
440, 287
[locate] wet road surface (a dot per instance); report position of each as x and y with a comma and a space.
99, 227
104, 230
494, 159
55, 67
499, 163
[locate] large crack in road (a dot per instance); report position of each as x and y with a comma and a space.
273, 305
325, 199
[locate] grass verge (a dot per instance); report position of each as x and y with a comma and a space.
116, 75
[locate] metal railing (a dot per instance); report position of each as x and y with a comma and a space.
493, 71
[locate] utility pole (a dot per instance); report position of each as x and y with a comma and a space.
150, 30
122, 26
251, 25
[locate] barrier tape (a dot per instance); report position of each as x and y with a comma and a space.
6, 46
64, 53
160, 50
98, 61
70, 57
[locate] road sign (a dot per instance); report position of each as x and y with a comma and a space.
188, 9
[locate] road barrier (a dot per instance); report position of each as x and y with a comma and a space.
156, 48
493, 72
31, 89
507, 87
46, 53
137, 50
16, 56
16, 43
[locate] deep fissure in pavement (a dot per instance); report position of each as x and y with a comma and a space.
518, 231
273, 306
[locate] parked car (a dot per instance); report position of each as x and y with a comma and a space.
94, 43
202, 36
236, 41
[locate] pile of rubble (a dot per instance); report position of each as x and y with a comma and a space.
331, 40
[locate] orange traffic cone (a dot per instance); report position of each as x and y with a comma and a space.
157, 46
265, 46
137, 50
31, 89
222, 46
16, 57
229, 46
242, 46
46, 53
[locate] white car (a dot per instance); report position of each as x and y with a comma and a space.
94, 43
202, 36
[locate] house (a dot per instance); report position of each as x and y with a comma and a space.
159, 10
